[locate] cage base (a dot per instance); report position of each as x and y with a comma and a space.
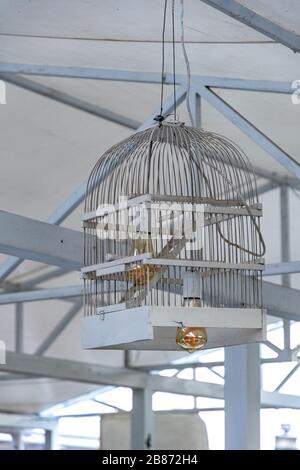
154, 328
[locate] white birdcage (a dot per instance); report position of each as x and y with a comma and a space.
173, 251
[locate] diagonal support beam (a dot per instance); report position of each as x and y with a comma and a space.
287, 378
70, 100
251, 131
42, 294
241, 13
46, 275
58, 329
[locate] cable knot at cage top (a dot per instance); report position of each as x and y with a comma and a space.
172, 234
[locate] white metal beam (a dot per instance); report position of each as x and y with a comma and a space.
271, 400
18, 421
42, 294
268, 86
88, 72
47, 274
40, 241
103, 375
264, 25
243, 84
279, 400
281, 301
276, 269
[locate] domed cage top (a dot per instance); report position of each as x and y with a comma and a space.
172, 237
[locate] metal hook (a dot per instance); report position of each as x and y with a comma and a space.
101, 315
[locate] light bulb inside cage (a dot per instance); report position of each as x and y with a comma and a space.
140, 274
171, 237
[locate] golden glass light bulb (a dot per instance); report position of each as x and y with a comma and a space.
140, 274
191, 338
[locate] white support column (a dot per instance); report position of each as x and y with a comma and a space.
19, 327
142, 419
195, 104
285, 230
51, 438
285, 250
18, 442
242, 397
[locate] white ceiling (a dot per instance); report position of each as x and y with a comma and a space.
130, 20
48, 149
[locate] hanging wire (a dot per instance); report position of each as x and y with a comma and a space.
187, 63
160, 117
174, 58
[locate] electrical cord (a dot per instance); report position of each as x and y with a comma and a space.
160, 117
187, 63
256, 226
174, 58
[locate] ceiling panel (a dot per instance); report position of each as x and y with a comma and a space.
117, 20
